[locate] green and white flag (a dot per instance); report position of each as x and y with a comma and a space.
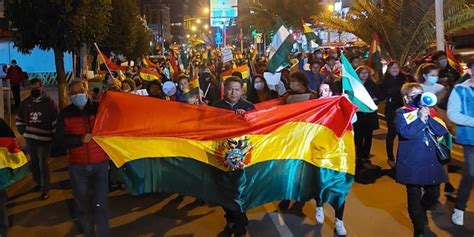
353, 87
280, 48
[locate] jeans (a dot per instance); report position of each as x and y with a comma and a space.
239, 220
39, 153
391, 132
465, 186
419, 203
16, 95
3, 214
90, 189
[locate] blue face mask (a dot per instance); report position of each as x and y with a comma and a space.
79, 100
432, 79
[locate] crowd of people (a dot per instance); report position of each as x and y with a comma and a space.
312, 75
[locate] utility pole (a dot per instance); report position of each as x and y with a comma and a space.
439, 25
161, 30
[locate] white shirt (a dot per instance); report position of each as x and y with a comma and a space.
435, 88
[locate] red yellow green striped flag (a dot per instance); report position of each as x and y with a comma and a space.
149, 75
149, 64
453, 61
13, 162
295, 151
375, 52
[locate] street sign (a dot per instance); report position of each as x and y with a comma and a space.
227, 55
222, 11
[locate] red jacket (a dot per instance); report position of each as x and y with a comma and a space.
16, 75
72, 124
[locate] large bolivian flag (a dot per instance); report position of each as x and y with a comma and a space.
296, 151
13, 162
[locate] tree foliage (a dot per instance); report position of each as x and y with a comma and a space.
406, 28
128, 35
53, 24
60, 25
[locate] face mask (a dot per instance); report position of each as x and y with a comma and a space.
432, 79
319, 55
259, 86
79, 100
443, 63
35, 93
305, 60
414, 100
294, 86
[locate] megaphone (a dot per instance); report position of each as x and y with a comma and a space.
426, 99
169, 88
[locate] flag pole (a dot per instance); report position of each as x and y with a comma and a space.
105, 62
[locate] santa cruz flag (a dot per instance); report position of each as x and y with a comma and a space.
352, 85
280, 48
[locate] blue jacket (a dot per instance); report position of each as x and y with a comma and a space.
315, 80
461, 112
416, 161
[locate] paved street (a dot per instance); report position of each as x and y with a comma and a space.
377, 209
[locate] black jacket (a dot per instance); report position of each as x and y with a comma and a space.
241, 104
390, 89
36, 118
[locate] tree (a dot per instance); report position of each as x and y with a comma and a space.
129, 34
264, 14
406, 28
63, 26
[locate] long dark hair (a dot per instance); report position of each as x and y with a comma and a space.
252, 92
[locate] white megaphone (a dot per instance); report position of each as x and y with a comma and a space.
428, 99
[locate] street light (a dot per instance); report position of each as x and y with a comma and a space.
330, 7
206, 10
187, 36
198, 21
193, 28
206, 26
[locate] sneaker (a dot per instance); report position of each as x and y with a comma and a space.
340, 228
319, 215
449, 189
458, 217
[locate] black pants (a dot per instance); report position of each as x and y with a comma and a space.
90, 188
3, 214
239, 220
391, 132
418, 204
363, 143
16, 95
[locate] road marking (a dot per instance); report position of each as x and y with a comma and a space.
278, 220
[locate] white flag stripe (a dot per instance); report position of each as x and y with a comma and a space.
278, 39
357, 87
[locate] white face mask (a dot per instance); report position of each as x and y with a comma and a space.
259, 86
